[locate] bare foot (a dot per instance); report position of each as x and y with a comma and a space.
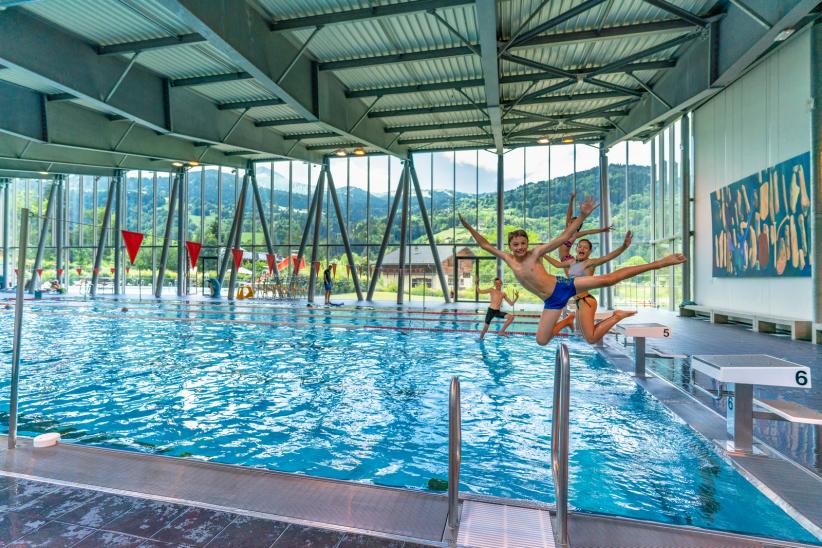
672, 259
622, 314
502, 333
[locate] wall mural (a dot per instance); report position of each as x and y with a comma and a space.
761, 224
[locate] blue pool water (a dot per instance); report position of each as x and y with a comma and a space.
324, 398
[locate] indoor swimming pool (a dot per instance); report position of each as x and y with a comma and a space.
362, 395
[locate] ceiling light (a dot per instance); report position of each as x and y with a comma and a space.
784, 35
177, 164
43, 172
340, 152
359, 151
567, 139
193, 163
543, 140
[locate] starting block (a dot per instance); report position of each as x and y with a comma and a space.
640, 332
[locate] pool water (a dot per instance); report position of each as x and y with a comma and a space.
320, 393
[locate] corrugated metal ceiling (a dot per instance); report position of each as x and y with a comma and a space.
107, 22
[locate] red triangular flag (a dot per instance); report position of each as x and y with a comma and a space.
294, 260
133, 240
193, 252
59, 272
79, 271
334, 269
238, 257
348, 270
111, 270
317, 267
282, 265
40, 272
96, 270
271, 261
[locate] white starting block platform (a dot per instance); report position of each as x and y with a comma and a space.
741, 372
640, 332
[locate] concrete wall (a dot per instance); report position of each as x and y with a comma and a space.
760, 120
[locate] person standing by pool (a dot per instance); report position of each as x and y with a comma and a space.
526, 265
584, 265
327, 282
494, 305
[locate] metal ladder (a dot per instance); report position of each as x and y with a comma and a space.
559, 441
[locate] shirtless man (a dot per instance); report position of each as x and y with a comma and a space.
494, 304
527, 267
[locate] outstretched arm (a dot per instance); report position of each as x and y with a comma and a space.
585, 208
483, 243
570, 212
615, 253
591, 231
556, 263
480, 291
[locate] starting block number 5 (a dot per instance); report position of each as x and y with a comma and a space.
666, 332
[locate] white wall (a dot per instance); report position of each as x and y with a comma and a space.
760, 120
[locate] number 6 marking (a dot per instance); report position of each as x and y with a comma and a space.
801, 378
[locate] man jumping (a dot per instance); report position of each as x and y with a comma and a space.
528, 268
494, 305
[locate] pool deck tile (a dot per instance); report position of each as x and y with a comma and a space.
248, 532
146, 518
196, 527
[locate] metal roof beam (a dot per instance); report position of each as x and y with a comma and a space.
559, 19
283, 122
210, 79
712, 62
511, 79
55, 97
486, 11
397, 58
683, 14
483, 137
254, 103
68, 64
315, 135
154, 43
654, 27
364, 13
668, 44
468, 106
66, 133
335, 146
239, 32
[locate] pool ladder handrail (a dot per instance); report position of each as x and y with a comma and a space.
454, 452
559, 441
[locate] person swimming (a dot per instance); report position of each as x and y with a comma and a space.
526, 264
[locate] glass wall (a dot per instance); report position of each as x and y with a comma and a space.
644, 196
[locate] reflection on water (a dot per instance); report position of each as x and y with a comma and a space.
372, 406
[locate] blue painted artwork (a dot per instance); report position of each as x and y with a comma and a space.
761, 225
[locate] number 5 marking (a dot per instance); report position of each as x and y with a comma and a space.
666, 332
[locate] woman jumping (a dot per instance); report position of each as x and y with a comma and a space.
584, 265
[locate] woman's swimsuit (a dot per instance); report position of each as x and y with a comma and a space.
576, 270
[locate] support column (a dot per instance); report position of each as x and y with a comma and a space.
101, 240
237, 237
236, 225
304, 238
403, 234
261, 214
115, 236
318, 216
59, 219
332, 190
435, 253
816, 166
605, 237
381, 253
182, 226
6, 183
685, 198
161, 268
44, 230
500, 210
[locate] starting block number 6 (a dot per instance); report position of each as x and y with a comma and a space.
801, 378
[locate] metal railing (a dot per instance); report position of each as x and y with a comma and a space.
454, 452
559, 441
18, 326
